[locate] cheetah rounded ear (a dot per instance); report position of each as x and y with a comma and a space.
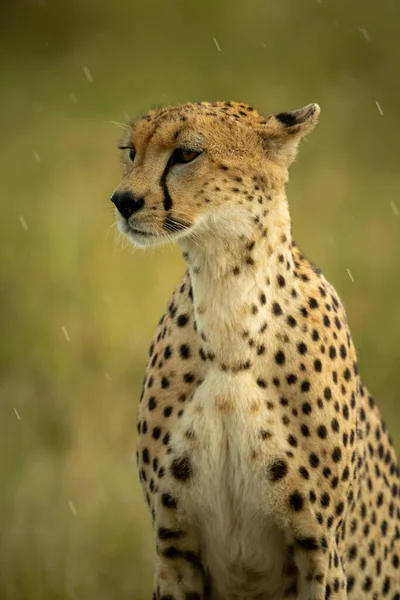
281, 133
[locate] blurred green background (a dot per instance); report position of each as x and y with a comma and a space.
78, 307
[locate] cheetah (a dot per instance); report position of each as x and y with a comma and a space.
267, 469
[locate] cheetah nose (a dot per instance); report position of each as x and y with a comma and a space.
127, 203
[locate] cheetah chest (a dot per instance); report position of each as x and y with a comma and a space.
225, 433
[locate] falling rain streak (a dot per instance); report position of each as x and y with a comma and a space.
379, 107
217, 45
88, 74
23, 223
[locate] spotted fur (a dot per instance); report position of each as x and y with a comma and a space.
264, 461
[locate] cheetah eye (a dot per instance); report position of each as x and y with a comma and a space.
181, 155
132, 152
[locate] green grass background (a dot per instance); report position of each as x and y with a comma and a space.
73, 524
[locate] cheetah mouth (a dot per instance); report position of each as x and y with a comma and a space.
139, 231
173, 230
128, 229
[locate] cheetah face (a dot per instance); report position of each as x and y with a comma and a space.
203, 170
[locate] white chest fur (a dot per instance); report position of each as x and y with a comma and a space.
242, 547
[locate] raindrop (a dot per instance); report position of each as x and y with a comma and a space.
65, 332
365, 33
17, 413
350, 275
88, 74
379, 107
217, 45
23, 222
72, 507
394, 208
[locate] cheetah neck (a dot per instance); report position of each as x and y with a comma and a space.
238, 282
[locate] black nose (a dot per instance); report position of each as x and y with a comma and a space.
127, 203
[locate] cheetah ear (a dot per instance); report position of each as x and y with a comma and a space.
281, 133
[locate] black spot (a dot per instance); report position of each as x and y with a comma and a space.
339, 509
322, 431
328, 591
168, 501
169, 534
281, 281
307, 543
325, 500
386, 586
152, 403
187, 555
312, 303
367, 584
182, 320
165, 383
181, 468
280, 358
306, 408
304, 473
337, 454
313, 460
347, 374
278, 470
265, 434
305, 386
261, 383
296, 501
318, 365
302, 348
291, 379
156, 433
292, 321
305, 430
276, 309
184, 351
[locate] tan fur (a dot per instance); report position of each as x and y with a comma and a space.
263, 459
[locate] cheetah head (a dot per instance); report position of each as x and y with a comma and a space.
205, 169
